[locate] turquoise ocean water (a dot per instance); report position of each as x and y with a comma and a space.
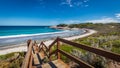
10, 35
23, 30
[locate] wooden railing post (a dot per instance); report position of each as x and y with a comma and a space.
40, 46
27, 58
30, 63
28, 43
50, 51
58, 47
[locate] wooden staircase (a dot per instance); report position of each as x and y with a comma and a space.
39, 56
36, 55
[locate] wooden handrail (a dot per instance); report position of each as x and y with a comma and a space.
98, 51
45, 46
26, 62
77, 60
53, 43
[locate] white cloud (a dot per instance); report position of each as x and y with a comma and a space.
118, 15
85, 0
103, 20
86, 5
67, 2
73, 3
78, 3
72, 21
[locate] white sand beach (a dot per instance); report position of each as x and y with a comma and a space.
24, 46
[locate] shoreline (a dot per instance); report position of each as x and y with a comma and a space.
46, 36
87, 33
23, 46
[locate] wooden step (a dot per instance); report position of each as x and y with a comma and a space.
38, 58
53, 64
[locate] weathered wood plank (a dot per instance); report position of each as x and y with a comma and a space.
55, 64
38, 58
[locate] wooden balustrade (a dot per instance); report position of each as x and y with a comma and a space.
97, 51
81, 63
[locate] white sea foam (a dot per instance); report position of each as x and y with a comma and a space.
28, 35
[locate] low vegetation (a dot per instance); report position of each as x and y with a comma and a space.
11, 60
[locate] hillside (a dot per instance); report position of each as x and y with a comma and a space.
108, 28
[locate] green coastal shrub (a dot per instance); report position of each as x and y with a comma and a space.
4, 57
5, 60
17, 63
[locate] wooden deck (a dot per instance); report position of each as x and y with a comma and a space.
35, 55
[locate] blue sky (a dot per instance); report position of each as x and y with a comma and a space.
52, 12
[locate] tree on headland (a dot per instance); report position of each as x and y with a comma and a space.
62, 25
